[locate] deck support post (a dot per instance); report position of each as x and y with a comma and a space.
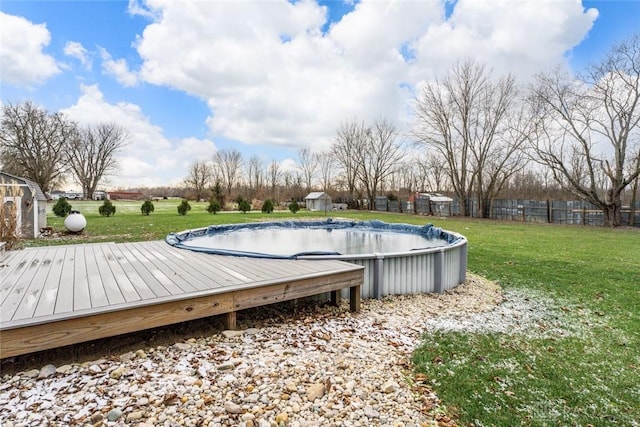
354, 298
230, 321
335, 298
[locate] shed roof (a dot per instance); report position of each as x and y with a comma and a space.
315, 195
35, 188
435, 197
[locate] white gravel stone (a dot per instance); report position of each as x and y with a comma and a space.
232, 408
389, 387
46, 371
232, 333
356, 364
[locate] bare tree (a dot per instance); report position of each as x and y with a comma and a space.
589, 127
504, 157
199, 179
377, 154
406, 175
465, 118
347, 142
431, 173
327, 165
343, 150
228, 164
308, 164
33, 143
91, 153
255, 174
274, 174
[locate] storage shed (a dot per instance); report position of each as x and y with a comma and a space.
29, 201
318, 201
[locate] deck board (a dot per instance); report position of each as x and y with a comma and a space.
125, 287
27, 306
64, 299
142, 288
47, 301
171, 278
199, 264
14, 265
194, 277
81, 295
143, 260
22, 290
63, 295
97, 290
107, 277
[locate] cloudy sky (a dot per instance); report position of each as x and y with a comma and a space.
268, 77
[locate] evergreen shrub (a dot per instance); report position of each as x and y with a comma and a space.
184, 207
294, 207
147, 207
62, 207
107, 208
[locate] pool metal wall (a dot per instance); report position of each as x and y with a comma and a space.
422, 271
428, 270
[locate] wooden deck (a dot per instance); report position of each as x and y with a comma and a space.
61, 295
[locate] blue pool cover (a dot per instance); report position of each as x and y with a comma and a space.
188, 239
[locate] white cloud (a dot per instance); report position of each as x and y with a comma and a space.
522, 37
76, 50
118, 68
149, 158
289, 165
135, 7
270, 75
22, 59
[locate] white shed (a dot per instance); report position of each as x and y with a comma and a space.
29, 202
318, 201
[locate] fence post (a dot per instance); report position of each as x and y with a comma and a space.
549, 212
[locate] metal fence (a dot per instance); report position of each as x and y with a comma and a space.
575, 212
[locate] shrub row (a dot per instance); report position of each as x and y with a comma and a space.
62, 207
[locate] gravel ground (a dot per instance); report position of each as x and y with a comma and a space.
317, 366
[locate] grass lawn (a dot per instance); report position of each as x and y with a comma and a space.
590, 275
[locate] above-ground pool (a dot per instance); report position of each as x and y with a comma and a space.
398, 258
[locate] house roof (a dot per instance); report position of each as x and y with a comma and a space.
35, 188
317, 195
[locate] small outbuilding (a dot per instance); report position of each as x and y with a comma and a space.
318, 201
30, 203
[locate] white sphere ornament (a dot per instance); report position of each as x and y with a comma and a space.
75, 222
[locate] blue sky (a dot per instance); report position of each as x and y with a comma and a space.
271, 77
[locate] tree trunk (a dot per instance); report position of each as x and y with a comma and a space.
612, 214
634, 194
464, 204
484, 208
